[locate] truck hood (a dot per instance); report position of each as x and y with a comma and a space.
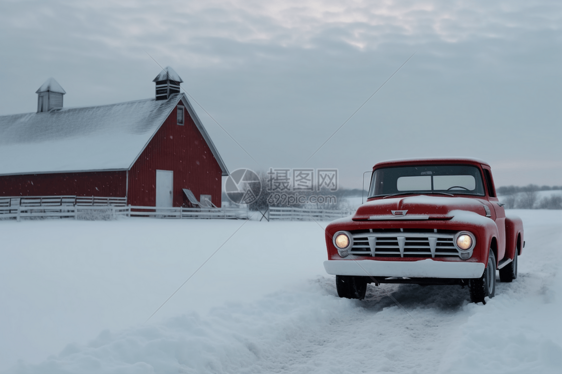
419, 207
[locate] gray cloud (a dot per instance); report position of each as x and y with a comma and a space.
281, 77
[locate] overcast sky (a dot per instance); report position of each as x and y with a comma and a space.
282, 76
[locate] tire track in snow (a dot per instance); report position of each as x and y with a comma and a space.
374, 335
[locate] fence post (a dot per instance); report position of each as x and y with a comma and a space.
18, 215
75, 213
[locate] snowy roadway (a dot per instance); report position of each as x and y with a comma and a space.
76, 297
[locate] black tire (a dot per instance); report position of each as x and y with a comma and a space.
351, 287
509, 272
486, 284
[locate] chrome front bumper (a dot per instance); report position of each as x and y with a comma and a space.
411, 269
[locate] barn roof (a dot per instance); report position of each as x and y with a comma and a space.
98, 138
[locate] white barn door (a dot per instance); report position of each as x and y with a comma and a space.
164, 188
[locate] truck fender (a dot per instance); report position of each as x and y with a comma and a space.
514, 235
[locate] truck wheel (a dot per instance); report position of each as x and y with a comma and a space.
509, 272
351, 287
486, 284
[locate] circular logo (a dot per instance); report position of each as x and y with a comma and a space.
243, 186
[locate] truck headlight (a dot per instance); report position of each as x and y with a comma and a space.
343, 241
465, 241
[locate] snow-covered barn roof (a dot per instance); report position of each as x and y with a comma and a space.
98, 138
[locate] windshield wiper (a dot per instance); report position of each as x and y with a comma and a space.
397, 194
421, 193
443, 193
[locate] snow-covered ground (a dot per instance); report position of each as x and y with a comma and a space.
76, 298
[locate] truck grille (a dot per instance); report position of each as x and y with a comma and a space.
404, 244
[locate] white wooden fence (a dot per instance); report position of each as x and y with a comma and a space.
100, 201
43, 212
51, 201
180, 213
107, 212
112, 212
304, 214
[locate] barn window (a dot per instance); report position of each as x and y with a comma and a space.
180, 115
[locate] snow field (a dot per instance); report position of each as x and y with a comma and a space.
256, 310
64, 281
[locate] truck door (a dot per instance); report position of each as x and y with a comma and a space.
498, 208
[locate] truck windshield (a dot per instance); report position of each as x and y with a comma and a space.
451, 179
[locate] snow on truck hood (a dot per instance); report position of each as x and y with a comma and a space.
418, 207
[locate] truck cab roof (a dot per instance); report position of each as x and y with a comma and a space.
430, 161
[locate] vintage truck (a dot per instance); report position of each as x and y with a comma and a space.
426, 221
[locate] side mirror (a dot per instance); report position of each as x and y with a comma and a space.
363, 186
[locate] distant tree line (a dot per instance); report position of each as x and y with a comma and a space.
527, 197
510, 190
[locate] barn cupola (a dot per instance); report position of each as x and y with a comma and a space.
167, 83
49, 96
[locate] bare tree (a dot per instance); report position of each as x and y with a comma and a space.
551, 202
509, 201
527, 200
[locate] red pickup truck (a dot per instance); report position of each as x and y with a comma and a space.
431, 221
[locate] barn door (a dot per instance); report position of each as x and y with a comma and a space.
164, 188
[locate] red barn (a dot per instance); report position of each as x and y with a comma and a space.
148, 151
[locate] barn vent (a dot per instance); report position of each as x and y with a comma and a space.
49, 96
167, 83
